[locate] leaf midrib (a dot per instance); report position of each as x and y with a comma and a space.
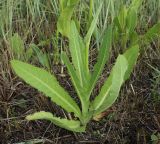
54, 92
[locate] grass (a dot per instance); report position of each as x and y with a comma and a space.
135, 116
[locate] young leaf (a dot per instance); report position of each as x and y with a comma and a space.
131, 55
42, 57
29, 53
111, 87
90, 32
134, 38
122, 17
152, 33
17, 45
102, 58
63, 24
75, 81
136, 4
71, 125
46, 83
63, 4
131, 20
93, 25
77, 47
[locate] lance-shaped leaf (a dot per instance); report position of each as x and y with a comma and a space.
17, 45
131, 55
46, 83
122, 17
102, 58
63, 4
131, 20
71, 125
80, 91
42, 57
77, 47
136, 4
87, 38
111, 87
93, 25
64, 20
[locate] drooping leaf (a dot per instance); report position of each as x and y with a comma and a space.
71, 125
111, 87
46, 83
131, 55
102, 57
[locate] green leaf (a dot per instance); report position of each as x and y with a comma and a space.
111, 87
122, 17
77, 48
72, 2
102, 58
87, 38
134, 38
17, 46
29, 53
136, 4
64, 21
63, 4
93, 25
152, 33
154, 137
131, 20
117, 24
46, 83
71, 125
42, 57
131, 55
75, 81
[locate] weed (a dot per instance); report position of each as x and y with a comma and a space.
82, 78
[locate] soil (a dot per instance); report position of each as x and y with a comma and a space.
131, 120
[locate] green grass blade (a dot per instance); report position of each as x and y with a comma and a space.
102, 58
46, 83
71, 125
111, 87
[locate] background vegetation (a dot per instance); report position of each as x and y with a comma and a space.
28, 32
